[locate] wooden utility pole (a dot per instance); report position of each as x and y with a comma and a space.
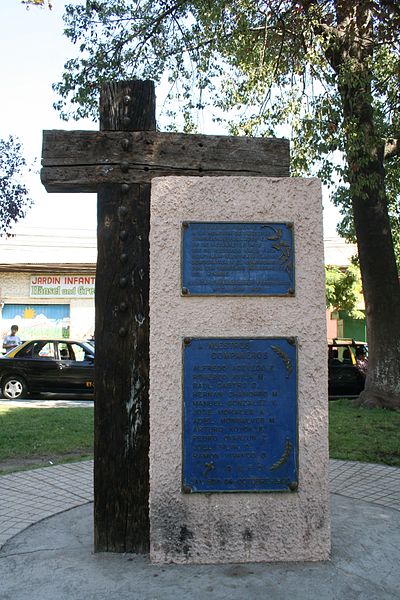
118, 163
121, 440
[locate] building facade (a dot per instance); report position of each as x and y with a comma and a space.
339, 323
47, 284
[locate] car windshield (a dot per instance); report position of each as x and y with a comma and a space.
346, 352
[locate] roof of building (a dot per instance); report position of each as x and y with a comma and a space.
49, 250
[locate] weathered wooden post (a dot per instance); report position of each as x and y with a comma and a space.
121, 441
119, 163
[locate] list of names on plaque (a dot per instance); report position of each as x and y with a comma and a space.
237, 258
240, 414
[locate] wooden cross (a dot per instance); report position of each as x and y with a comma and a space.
118, 163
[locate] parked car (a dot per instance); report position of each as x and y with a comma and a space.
345, 376
58, 365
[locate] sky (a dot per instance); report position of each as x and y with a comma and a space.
33, 51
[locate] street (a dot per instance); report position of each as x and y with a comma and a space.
49, 401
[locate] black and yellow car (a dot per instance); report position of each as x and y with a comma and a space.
346, 377
58, 365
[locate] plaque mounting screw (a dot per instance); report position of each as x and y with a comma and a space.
293, 486
186, 489
292, 341
185, 291
187, 341
291, 292
185, 224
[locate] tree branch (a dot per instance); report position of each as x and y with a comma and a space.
392, 148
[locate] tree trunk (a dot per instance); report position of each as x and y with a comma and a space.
350, 59
382, 296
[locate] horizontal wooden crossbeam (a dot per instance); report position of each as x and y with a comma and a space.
79, 161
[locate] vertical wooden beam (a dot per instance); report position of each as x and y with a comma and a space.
121, 518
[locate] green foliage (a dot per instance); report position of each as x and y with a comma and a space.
341, 198
343, 289
328, 72
269, 63
14, 196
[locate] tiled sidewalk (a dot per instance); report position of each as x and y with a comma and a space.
378, 484
30, 496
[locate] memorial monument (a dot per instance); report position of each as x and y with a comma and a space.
238, 398
238, 424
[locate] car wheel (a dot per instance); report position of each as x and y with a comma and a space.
13, 388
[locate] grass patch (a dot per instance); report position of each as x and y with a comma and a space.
31, 437
54, 434
364, 434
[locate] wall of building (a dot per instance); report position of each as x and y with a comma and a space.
75, 317
331, 325
348, 327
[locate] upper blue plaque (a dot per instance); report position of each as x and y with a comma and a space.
237, 259
240, 415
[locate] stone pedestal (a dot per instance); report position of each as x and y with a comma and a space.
227, 524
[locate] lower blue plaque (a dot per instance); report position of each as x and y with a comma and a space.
240, 415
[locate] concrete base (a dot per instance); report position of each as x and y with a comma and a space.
53, 560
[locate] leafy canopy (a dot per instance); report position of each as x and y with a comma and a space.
269, 63
343, 289
14, 196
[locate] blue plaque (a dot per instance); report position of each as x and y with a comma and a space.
239, 415
237, 259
